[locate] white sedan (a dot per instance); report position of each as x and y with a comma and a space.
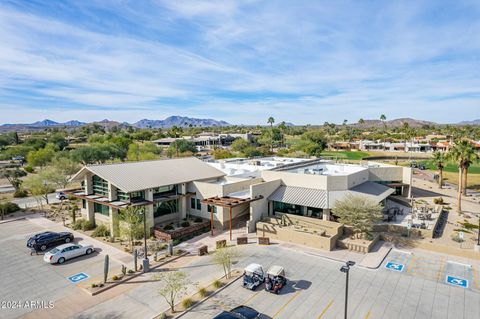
67, 251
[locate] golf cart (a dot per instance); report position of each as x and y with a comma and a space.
253, 276
275, 279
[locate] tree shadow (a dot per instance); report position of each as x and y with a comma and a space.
420, 192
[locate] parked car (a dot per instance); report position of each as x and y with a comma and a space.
61, 196
67, 251
47, 239
253, 276
240, 312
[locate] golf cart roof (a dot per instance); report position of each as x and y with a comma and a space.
276, 271
254, 269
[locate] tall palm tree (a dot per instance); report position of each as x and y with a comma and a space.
270, 121
283, 128
463, 154
439, 161
471, 157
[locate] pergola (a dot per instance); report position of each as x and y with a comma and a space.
227, 202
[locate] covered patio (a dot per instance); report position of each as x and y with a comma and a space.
228, 202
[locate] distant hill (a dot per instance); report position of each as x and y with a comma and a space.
394, 123
473, 122
180, 121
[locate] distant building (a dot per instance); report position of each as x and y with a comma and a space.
205, 140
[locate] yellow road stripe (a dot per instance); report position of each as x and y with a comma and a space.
367, 315
286, 304
476, 282
325, 310
251, 297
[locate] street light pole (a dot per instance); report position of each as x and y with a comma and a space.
346, 269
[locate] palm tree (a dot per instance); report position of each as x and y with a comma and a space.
383, 118
283, 129
463, 154
270, 121
439, 161
361, 121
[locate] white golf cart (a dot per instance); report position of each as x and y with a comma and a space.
275, 279
253, 276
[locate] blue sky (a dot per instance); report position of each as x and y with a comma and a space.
304, 62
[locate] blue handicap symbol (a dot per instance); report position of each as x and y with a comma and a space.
394, 266
457, 281
78, 277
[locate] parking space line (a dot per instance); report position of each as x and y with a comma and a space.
441, 269
410, 265
286, 304
251, 297
325, 309
367, 315
476, 283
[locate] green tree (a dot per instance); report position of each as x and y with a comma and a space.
359, 212
439, 161
173, 286
181, 146
132, 218
13, 176
463, 154
240, 144
271, 121
222, 153
41, 157
143, 151
39, 186
225, 257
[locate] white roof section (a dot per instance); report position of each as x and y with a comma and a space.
136, 176
244, 167
276, 270
327, 169
254, 269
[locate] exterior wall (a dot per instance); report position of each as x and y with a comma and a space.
356, 178
259, 208
386, 173
293, 179
239, 186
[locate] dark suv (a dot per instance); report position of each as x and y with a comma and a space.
240, 312
47, 239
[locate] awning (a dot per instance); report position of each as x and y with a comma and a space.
302, 196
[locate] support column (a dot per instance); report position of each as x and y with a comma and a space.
114, 223
183, 201
90, 212
149, 209
326, 214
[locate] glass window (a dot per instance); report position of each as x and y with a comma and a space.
199, 205
165, 208
100, 186
192, 203
159, 191
84, 203
212, 208
121, 195
279, 207
101, 209
136, 196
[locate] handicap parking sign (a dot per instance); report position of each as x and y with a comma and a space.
394, 266
78, 277
457, 281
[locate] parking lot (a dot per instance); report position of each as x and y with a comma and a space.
26, 278
316, 288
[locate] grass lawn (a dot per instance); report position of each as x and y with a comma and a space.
349, 155
473, 180
453, 168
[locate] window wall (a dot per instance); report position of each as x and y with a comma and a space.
279, 207
165, 208
163, 190
100, 186
195, 203
101, 209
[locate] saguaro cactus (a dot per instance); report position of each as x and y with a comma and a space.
105, 268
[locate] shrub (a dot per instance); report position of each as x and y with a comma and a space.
130, 271
438, 201
185, 224
162, 316
187, 302
202, 292
198, 220
94, 285
20, 193
83, 224
29, 169
101, 231
217, 284
8, 208
115, 277
168, 227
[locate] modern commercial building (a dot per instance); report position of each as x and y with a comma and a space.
232, 192
205, 140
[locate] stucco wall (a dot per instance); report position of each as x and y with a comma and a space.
259, 207
391, 173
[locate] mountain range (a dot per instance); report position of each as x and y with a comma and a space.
180, 121
183, 121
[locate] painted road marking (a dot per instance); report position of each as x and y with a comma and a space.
251, 297
476, 283
411, 264
325, 310
78, 277
394, 266
441, 269
457, 281
286, 304
367, 315
457, 263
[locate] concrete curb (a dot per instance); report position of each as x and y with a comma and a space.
206, 298
96, 292
11, 220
